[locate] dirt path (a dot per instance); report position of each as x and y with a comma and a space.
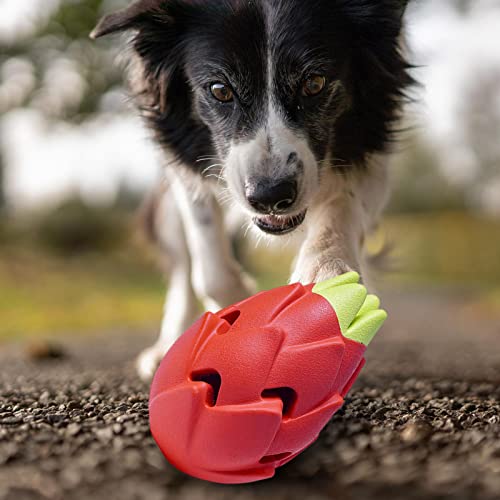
422, 422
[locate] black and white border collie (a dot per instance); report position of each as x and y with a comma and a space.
284, 109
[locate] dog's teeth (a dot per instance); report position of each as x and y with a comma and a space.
365, 326
346, 300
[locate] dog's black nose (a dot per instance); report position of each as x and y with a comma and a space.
268, 196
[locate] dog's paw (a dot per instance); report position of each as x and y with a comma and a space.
336, 268
317, 274
147, 362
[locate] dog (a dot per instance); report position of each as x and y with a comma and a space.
283, 110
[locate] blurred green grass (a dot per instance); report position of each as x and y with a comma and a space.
432, 248
44, 295
450, 247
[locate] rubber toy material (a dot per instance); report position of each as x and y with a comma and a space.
247, 389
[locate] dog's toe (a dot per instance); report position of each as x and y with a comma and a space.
340, 267
147, 363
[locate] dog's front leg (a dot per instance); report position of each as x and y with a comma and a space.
333, 244
191, 232
216, 276
348, 207
181, 306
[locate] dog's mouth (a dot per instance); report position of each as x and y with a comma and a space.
279, 224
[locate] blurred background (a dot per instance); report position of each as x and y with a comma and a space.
75, 163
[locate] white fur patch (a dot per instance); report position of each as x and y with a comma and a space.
265, 156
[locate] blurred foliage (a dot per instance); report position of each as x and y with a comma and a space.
59, 47
75, 227
75, 19
419, 185
2, 189
58, 70
480, 120
444, 248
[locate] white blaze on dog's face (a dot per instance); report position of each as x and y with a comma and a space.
273, 175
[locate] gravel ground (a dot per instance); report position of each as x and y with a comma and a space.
423, 421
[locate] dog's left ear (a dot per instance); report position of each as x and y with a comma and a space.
124, 19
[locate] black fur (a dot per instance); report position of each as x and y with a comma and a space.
185, 46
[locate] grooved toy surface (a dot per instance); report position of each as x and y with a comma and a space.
247, 389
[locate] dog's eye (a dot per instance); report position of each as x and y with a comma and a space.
313, 85
222, 92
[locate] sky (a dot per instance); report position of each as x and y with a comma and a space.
106, 151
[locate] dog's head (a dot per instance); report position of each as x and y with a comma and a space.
281, 89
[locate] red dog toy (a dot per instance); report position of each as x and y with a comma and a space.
247, 389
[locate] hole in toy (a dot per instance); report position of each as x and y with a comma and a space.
274, 458
231, 316
213, 379
286, 394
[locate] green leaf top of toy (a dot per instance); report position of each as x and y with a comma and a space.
358, 313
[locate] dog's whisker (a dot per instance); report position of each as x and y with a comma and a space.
205, 158
225, 199
258, 240
215, 176
248, 225
225, 203
214, 165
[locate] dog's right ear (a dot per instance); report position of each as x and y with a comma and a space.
124, 19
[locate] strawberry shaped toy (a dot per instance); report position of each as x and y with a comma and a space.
247, 389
